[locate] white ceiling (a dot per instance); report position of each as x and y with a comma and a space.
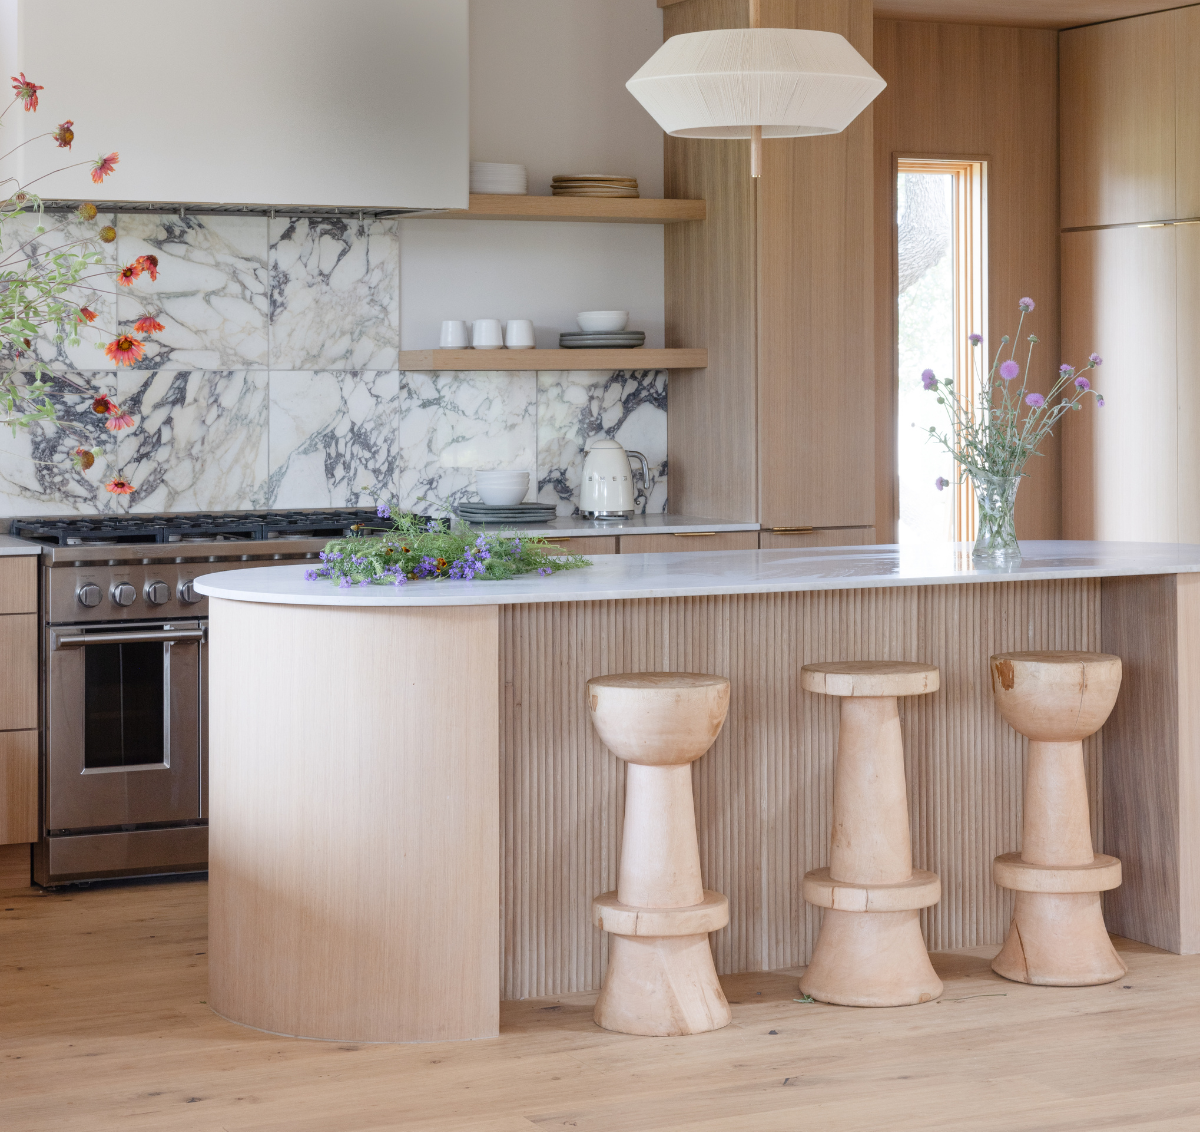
1019, 13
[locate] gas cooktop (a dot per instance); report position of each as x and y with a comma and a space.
232, 526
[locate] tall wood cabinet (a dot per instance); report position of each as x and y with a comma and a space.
1130, 113
18, 703
777, 283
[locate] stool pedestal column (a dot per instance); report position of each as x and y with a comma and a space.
1057, 935
661, 980
870, 951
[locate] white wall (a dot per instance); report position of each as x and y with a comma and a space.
547, 91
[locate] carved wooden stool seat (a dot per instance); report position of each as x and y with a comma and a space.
661, 979
870, 951
1057, 936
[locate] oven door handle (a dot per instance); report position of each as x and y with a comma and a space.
75, 641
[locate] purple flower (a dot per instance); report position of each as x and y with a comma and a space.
383, 511
1036, 400
1027, 305
1095, 359
941, 483
1100, 402
1082, 383
544, 570
344, 583
1009, 370
974, 339
1065, 369
928, 379
310, 575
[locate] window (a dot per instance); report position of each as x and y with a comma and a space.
940, 299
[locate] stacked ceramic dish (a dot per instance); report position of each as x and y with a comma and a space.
602, 330
517, 513
491, 178
593, 185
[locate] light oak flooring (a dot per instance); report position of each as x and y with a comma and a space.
104, 1026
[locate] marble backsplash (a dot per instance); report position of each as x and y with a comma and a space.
275, 383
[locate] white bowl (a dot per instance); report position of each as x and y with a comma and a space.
502, 488
602, 322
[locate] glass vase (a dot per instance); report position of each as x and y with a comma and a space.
997, 502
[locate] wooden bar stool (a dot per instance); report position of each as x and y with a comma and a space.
870, 951
661, 980
1057, 936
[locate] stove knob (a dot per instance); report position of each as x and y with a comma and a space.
187, 593
157, 593
124, 594
88, 595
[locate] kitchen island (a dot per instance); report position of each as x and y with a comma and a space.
410, 813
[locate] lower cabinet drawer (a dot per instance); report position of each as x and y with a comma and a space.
661, 544
819, 536
18, 786
19, 666
588, 544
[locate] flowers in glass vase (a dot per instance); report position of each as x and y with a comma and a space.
992, 439
47, 283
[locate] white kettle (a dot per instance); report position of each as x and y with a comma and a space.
607, 488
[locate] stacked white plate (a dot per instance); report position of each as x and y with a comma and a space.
492, 178
614, 340
593, 185
518, 513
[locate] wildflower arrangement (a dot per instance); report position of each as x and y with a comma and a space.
992, 440
412, 549
45, 294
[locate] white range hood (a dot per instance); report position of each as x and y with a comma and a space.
358, 104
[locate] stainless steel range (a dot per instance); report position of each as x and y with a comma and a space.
124, 679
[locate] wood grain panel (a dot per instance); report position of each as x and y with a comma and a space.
660, 544
763, 793
1187, 112
834, 536
975, 92
1187, 373
575, 210
18, 787
18, 585
521, 360
1016, 13
355, 812
19, 664
1121, 462
815, 274
1117, 99
586, 544
710, 271
14, 867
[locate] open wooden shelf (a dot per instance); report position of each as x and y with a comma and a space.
600, 210
552, 359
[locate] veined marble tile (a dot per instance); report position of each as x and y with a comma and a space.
67, 233
629, 406
36, 474
200, 442
211, 292
454, 423
333, 438
335, 294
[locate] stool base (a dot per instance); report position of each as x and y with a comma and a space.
871, 959
661, 987
1058, 940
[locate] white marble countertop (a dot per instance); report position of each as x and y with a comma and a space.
573, 526
695, 573
15, 546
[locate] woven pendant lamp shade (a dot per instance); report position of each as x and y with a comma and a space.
720, 84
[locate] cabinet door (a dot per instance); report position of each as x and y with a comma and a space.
1117, 108
19, 664
831, 536
1121, 462
1187, 112
588, 544
18, 786
18, 585
1187, 254
713, 540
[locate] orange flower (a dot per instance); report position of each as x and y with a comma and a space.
64, 135
125, 350
128, 274
119, 486
86, 315
83, 458
104, 405
26, 90
87, 211
107, 234
104, 166
148, 325
148, 264
118, 422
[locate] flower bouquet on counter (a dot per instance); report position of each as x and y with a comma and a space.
414, 548
991, 440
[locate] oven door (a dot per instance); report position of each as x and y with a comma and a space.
123, 724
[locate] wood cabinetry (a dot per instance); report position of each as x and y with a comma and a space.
776, 283
830, 536
586, 544
673, 543
18, 700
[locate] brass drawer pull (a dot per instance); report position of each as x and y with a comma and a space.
695, 534
792, 530
565, 538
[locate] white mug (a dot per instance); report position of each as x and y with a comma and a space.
518, 334
454, 335
487, 334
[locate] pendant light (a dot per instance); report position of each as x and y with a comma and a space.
755, 83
